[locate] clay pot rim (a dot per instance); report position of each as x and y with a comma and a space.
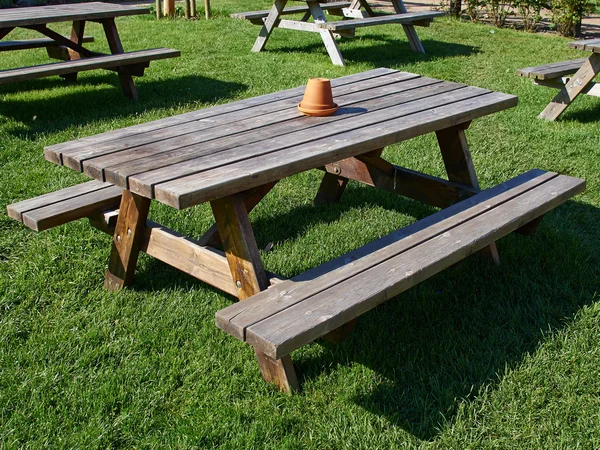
318, 111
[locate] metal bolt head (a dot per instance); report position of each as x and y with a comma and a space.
238, 284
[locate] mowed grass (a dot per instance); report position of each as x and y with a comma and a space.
479, 356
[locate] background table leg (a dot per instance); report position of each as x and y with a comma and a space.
114, 42
127, 241
459, 166
270, 23
573, 88
77, 37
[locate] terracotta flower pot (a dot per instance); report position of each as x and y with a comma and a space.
318, 99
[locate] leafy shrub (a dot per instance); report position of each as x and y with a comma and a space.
568, 14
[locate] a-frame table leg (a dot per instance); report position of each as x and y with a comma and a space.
77, 37
327, 35
270, 23
114, 43
572, 88
409, 30
249, 276
459, 165
127, 240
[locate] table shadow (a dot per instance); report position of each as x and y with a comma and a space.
73, 107
387, 51
588, 114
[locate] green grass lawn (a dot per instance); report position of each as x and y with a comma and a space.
479, 356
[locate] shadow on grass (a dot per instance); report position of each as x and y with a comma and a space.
66, 105
589, 114
442, 342
383, 50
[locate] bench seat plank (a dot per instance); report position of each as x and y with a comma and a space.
297, 318
551, 71
65, 205
255, 15
591, 45
98, 62
405, 19
23, 44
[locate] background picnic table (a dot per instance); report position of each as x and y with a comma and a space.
507, 359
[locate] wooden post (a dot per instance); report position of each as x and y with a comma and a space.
127, 240
193, 8
169, 8
207, 12
158, 7
459, 166
186, 8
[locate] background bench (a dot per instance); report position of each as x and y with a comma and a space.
132, 62
314, 304
257, 17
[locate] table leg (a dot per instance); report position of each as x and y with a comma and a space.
575, 86
409, 30
327, 35
270, 23
127, 240
114, 43
252, 197
249, 276
77, 37
459, 165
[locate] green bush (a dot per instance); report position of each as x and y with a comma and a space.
568, 14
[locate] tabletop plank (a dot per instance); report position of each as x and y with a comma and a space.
302, 130
237, 133
210, 127
56, 152
192, 190
36, 15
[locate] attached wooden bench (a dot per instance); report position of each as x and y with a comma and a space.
63, 206
554, 75
295, 312
417, 19
551, 71
132, 62
257, 17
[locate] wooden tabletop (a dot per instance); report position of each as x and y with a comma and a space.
211, 153
590, 45
36, 15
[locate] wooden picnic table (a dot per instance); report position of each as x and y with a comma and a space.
355, 14
232, 155
76, 57
581, 82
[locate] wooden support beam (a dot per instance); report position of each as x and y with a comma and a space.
239, 245
127, 241
459, 166
114, 43
575, 86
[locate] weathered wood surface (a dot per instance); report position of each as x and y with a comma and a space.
553, 70
208, 154
408, 18
252, 15
590, 45
23, 44
21, 17
63, 206
99, 62
296, 312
